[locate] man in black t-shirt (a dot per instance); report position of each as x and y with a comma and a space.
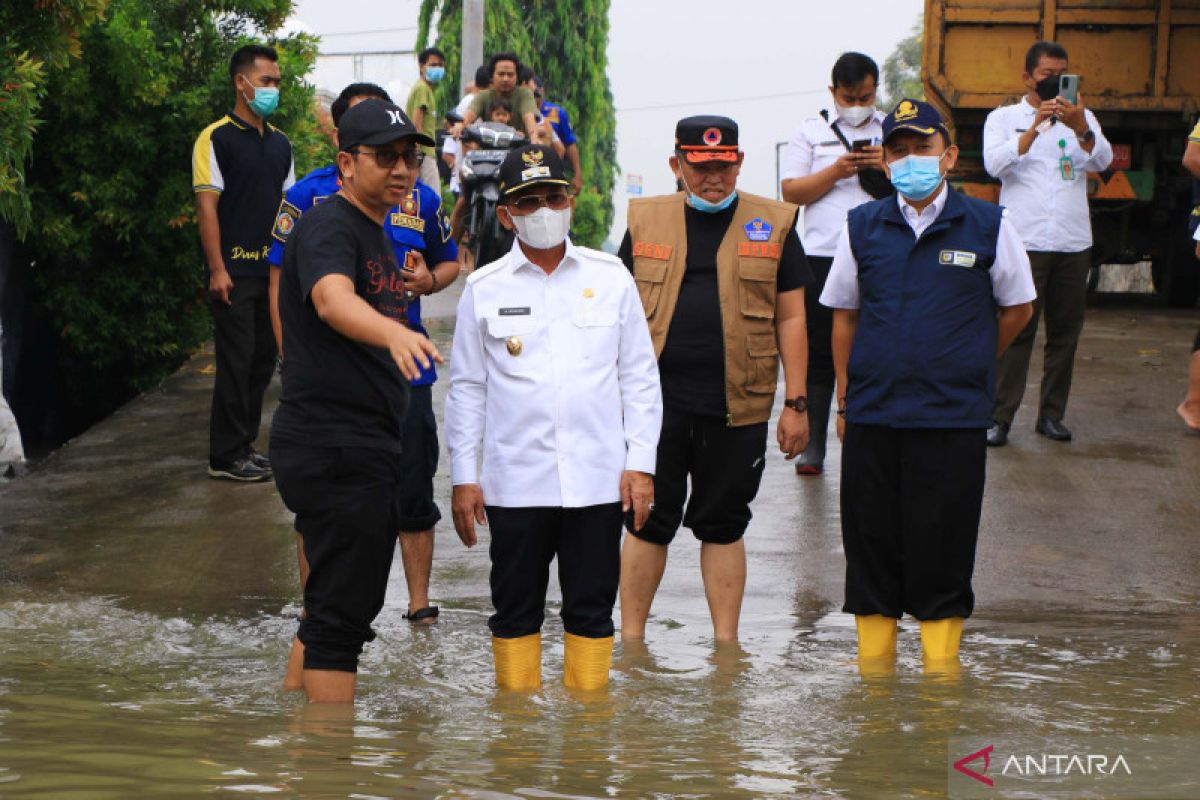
721, 275
335, 439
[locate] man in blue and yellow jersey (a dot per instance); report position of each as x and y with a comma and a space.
241, 166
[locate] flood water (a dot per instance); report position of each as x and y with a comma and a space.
145, 615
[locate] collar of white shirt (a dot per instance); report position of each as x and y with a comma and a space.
521, 261
921, 220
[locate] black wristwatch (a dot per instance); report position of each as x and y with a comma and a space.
798, 403
1086, 136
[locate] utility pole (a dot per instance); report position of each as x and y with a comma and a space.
472, 40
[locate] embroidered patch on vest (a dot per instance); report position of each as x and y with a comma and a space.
957, 258
758, 230
401, 220
761, 249
659, 252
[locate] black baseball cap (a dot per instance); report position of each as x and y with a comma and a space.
531, 165
916, 116
373, 122
707, 138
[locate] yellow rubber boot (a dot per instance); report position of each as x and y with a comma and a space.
940, 638
586, 662
518, 662
876, 636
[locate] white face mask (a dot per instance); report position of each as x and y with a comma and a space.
544, 228
855, 115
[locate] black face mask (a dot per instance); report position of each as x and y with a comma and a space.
1047, 88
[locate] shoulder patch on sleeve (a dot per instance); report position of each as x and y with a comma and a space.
285, 220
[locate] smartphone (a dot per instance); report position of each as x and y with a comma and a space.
1068, 88
858, 145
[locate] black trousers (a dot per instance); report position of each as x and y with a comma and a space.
724, 466
819, 321
911, 500
587, 542
347, 509
245, 349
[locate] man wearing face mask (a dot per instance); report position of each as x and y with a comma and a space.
241, 166
832, 164
721, 274
552, 420
928, 288
421, 110
1041, 149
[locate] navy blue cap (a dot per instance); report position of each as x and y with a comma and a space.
916, 116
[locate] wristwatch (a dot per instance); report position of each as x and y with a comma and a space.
1086, 136
798, 403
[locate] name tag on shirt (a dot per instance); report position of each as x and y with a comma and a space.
957, 258
521, 311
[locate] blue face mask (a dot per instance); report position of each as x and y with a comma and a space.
916, 177
435, 74
266, 100
700, 204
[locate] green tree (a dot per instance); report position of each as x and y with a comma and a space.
36, 37
902, 69
566, 42
116, 262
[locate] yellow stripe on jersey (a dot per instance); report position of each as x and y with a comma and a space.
1194, 136
206, 172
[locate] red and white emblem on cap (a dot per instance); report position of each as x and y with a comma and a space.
712, 137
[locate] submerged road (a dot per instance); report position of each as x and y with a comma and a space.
145, 613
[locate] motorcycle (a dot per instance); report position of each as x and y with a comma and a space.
480, 175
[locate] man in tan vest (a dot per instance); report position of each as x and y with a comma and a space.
721, 275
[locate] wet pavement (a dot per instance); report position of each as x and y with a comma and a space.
145, 614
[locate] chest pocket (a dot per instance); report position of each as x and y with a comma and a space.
649, 274
757, 287
598, 331
404, 237
511, 343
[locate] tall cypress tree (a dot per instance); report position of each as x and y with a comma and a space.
566, 42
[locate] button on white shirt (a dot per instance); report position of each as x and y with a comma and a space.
1012, 278
554, 387
813, 147
1050, 213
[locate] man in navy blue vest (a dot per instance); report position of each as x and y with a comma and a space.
928, 288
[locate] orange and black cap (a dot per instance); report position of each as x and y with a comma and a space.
707, 138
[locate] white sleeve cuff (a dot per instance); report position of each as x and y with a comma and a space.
641, 459
463, 469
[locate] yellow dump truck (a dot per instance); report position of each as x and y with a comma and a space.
1139, 62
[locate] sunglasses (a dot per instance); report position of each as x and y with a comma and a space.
556, 201
386, 159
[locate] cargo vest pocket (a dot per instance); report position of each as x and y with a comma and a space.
756, 287
762, 363
649, 275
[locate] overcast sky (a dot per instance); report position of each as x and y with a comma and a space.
765, 63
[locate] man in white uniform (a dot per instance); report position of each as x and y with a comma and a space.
554, 388
1041, 149
832, 164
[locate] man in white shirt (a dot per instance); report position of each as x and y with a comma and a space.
828, 167
927, 290
554, 388
1041, 149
